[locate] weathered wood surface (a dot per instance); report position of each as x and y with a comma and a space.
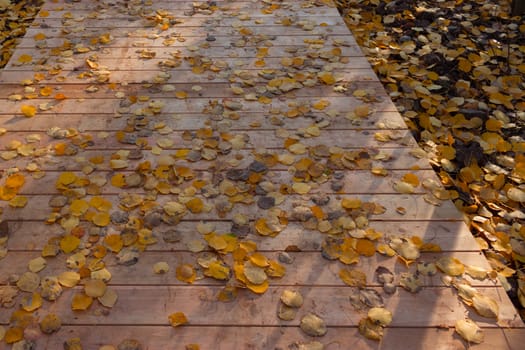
246, 43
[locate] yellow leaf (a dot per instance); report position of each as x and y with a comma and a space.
65, 179
185, 273
321, 104
46, 91
28, 111
25, 58
101, 219
365, 247
94, 288
195, 205
181, 94
275, 269
177, 319
258, 288
100, 204
118, 180
351, 203
69, 243
39, 36
78, 207
411, 179
259, 260
352, 277
327, 78
81, 302
18, 202
13, 335
218, 271
69, 279
31, 302
114, 243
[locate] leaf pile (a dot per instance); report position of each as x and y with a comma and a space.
16, 16
456, 72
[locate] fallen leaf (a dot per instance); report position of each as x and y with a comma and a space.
177, 319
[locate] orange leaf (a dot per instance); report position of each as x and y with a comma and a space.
25, 58
177, 319
28, 111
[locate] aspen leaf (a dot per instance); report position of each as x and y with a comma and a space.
25, 58
81, 302
69, 279
50, 323
28, 111
352, 277
15, 181
101, 219
218, 271
109, 298
18, 202
327, 78
177, 319
13, 335
37, 264
469, 331
78, 207
114, 242
195, 205
186, 273
362, 111
161, 267
181, 94
301, 188
292, 298
94, 288
485, 306
403, 187
380, 316
450, 266
258, 288
254, 274
313, 325
69, 243
31, 302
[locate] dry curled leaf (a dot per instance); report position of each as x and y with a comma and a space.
313, 325
177, 319
469, 331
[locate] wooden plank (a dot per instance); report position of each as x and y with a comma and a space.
186, 121
449, 235
115, 19
394, 159
208, 90
416, 208
220, 41
260, 338
118, 76
191, 27
195, 105
308, 269
255, 139
248, 63
353, 182
436, 307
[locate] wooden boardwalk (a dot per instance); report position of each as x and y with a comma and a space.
247, 119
